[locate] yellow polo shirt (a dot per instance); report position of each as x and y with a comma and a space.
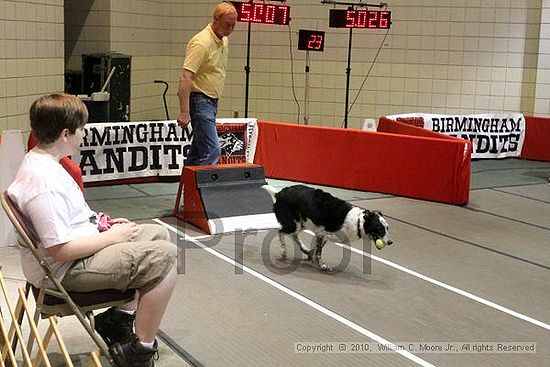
206, 57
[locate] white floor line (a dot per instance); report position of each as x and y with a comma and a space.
440, 284
299, 297
198, 238
205, 236
449, 287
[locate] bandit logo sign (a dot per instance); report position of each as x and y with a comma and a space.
232, 139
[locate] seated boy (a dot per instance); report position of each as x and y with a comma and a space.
126, 256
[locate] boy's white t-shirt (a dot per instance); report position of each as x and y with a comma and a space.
50, 198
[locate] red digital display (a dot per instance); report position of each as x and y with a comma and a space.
351, 18
311, 40
262, 13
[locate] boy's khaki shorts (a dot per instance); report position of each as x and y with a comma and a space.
141, 264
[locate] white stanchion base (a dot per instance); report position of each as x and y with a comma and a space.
370, 125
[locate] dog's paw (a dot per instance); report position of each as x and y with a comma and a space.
325, 267
322, 266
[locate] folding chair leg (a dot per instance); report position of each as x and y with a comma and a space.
83, 321
91, 320
97, 340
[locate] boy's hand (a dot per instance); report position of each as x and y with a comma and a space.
124, 232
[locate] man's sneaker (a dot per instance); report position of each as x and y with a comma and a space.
134, 354
115, 326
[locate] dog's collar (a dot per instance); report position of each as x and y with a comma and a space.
359, 227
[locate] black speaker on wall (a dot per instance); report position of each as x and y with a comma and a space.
95, 71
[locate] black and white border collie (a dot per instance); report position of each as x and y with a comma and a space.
300, 207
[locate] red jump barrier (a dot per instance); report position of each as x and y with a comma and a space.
405, 162
386, 125
537, 139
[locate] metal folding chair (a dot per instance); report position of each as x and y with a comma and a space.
57, 301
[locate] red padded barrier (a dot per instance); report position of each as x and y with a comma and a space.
420, 167
537, 139
386, 125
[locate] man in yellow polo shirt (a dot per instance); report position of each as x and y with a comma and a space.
201, 84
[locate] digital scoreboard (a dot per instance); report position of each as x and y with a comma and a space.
351, 18
262, 13
311, 40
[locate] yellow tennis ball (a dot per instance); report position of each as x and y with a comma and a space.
380, 244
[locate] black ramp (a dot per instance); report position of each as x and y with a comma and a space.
234, 192
236, 200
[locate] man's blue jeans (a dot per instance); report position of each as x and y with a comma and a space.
205, 147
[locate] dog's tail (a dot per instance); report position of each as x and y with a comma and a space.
271, 191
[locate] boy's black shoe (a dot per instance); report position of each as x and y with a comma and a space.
134, 354
115, 326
